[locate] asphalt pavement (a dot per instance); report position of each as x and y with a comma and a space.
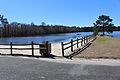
17, 68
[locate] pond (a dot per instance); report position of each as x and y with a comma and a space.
54, 38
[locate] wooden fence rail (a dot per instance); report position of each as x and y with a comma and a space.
44, 48
72, 43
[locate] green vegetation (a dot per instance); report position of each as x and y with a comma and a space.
104, 23
106, 40
95, 30
102, 40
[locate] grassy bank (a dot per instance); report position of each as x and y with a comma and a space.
102, 47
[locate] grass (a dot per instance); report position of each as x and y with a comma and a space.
108, 41
101, 40
102, 47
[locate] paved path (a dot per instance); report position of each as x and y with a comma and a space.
16, 68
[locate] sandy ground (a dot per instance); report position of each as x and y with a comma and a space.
56, 49
102, 47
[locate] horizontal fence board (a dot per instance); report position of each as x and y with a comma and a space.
38, 44
79, 42
74, 44
21, 44
5, 48
22, 48
76, 40
66, 43
67, 47
70, 42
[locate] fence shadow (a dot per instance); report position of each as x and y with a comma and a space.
85, 41
35, 56
78, 51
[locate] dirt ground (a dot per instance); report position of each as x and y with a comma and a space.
102, 47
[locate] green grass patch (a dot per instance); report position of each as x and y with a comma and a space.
102, 40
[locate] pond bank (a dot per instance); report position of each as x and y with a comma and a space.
102, 47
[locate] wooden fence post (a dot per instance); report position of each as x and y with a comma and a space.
62, 49
47, 45
11, 48
32, 45
72, 45
77, 43
86, 38
46, 48
39, 48
81, 41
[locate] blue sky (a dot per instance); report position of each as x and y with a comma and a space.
61, 12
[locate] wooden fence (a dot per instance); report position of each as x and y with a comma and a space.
84, 40
44, 48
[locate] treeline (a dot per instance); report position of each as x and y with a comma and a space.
90, 29
23, 30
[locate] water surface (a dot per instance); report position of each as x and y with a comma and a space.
54, 38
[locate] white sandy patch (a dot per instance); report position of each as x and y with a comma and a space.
56, 49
